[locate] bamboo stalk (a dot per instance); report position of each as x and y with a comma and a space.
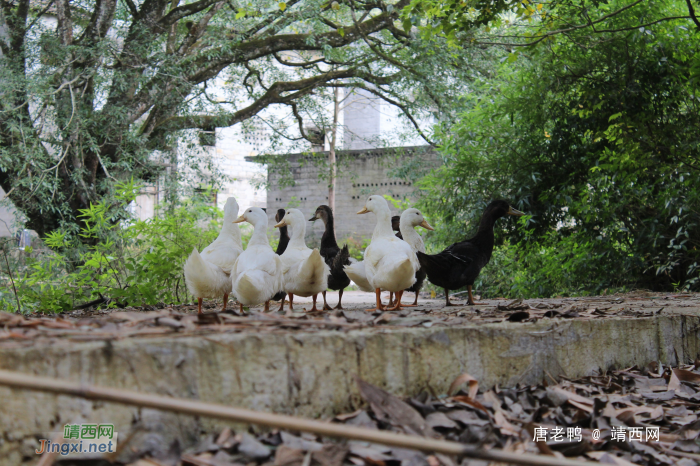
198, 408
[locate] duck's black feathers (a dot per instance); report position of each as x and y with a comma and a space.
460, 264
396, 226
334, 257
281, 247
337, 279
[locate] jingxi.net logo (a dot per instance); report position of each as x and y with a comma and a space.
80, 439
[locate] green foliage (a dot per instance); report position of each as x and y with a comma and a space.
127, 263
597, 137
357, 247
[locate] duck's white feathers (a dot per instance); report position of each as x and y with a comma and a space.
390, 264
356, 272
305, 271
204, 279
257, 275
223, 252
207, 275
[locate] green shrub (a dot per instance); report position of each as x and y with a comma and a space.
127, 262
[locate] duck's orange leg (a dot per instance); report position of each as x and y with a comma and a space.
313, 308
199, 305
326, 307
447, 298
471, 302
379, 307
398, 305
225, 302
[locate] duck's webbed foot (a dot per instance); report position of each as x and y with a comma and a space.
398, 306
313, 308
340, 299
447, 298
379, 307
326, 307
470, 301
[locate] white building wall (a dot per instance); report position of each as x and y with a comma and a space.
229, 154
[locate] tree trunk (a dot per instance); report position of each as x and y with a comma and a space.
331, 152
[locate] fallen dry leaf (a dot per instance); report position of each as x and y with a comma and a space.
462, 379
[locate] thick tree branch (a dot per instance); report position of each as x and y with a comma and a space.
691, 11
274, 95
132, 8
100, 22
211, 63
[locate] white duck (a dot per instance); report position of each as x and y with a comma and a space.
257, 274
207, 275
410, 219
390, 263
305, 271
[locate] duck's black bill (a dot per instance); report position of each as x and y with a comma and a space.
517, 213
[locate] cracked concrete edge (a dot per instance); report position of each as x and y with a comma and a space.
312, 374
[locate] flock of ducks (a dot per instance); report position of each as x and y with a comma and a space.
392, 262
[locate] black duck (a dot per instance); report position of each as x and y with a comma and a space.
460, 264
335, 257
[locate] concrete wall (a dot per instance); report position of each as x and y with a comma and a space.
360, 174
311, 373
7, 216
232, 149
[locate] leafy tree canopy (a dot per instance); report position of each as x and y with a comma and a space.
595, 132
98, 91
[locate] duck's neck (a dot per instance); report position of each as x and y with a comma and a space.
284, 240
259, 236
328, 238
383, 228
232, 231
298, 233
411, 236
484, 235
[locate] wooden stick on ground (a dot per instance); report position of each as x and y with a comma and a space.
198, 408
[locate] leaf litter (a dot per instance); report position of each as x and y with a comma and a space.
610, 401
182, 320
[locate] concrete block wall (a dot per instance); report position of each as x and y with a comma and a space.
361, 173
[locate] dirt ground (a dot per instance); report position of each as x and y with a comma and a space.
17, 330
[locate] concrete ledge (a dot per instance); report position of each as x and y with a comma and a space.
311, 374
